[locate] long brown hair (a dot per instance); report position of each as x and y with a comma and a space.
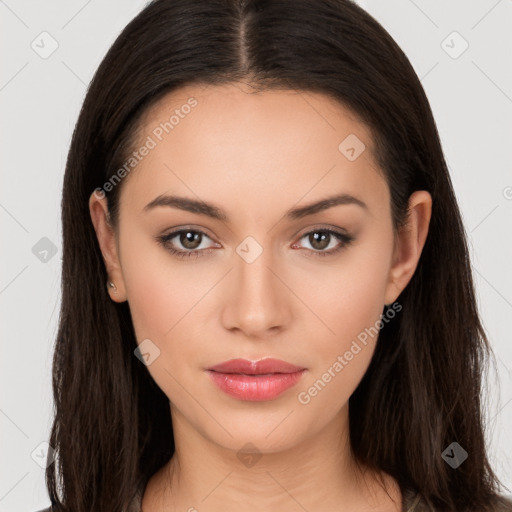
112, 428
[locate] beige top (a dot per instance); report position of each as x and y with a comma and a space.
411, 502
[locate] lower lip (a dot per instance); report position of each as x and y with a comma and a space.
256, 388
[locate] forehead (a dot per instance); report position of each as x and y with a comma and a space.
236, 106
277, 145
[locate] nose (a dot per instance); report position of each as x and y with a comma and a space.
255, 300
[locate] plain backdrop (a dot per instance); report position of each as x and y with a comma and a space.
461, 50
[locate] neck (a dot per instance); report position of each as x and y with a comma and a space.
317, 474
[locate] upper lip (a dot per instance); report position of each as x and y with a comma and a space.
260, 367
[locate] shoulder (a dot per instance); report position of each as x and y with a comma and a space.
415, 503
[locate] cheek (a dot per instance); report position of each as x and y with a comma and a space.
169, 301
348, 296
349, 300
164, 302
161, 290
361, 298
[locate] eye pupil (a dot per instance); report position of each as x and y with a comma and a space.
190, 239
318, 238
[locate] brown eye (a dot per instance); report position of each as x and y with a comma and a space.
322, 239
185, 243
190, 239
319, 240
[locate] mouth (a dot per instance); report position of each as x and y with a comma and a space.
255, 381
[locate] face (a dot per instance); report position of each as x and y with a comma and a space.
249, 272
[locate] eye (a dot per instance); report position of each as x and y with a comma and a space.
188, 243
322, 239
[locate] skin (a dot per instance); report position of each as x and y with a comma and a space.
255, 156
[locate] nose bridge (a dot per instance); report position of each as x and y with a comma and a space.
251, 267
254, 302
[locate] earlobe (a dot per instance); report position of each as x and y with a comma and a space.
98, 208
409, 244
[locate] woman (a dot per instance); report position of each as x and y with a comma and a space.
267, 300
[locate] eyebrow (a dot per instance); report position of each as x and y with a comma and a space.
210, 210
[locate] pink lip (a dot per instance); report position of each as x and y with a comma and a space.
255, 380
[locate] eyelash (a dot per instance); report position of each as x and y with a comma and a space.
165, 239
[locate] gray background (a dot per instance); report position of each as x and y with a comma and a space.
471, 96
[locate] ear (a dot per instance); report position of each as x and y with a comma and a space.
98, 209
409, 244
